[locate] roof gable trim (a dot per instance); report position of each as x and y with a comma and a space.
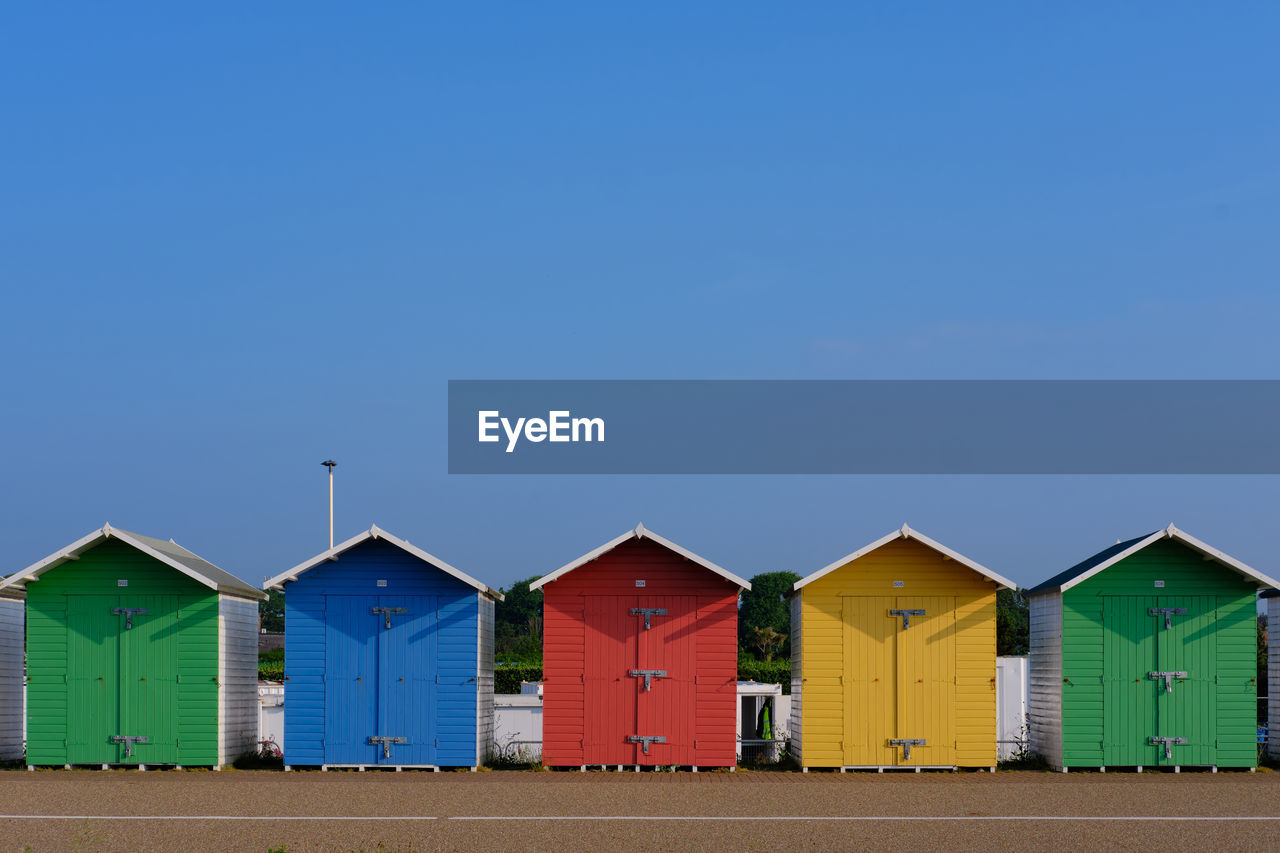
1172, 532
640, 532
905, 532
375, 532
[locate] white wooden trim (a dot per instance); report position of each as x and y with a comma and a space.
1172, 532
905, 532
75, 549
640, 533
376, 532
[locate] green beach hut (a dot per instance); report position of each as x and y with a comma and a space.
139, 653
1145, 655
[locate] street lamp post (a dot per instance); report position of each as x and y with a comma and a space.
330, 464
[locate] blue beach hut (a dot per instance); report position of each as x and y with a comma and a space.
388, 658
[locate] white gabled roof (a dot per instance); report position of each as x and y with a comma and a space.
376, 532
1169, 532
906, 532
170, 553
640, 533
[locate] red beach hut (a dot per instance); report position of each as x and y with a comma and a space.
640, 657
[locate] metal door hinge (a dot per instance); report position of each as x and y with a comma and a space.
1168, 613
646, 740
906, 616
1168, 743
646, 612
386, 743
906, 743
1168, 678
129, 741
387, 611
128, 613
647, 674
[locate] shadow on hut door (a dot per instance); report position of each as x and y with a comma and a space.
1185, 703
407, 667
1129, 695
869, 681
148, 632
609, 693
926, 670
667, 706
351, 671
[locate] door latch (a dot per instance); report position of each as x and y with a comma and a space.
387, 611
646, 612
386, 743
647, 674
907, 743
129, 741
646, 740
1168, 613
1168, 678
1169, 743
128, 617
906, 616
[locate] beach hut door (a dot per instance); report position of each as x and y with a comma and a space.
639, 681
122, 679
1184, 694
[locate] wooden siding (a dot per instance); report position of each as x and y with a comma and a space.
356, 573
823, 671
1095, 732
239, 678
1273, 676
12, 620
50, 718
484, 681
795, 723
564, 645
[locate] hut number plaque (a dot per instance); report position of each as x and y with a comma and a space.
122, 582
1159, 584
898, 584
639, 583
381, 582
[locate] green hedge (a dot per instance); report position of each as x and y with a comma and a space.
771, 672
271, 670
507, 677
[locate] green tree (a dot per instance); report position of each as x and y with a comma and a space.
767, 605
271, 612
1013, 622
517, 623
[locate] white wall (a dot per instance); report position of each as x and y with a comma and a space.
517, 726
237, 677
271, 713
484, 680
1044, 694
1011, 706
12, 680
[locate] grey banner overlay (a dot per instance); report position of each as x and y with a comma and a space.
874, 427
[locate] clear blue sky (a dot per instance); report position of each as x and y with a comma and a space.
240, 239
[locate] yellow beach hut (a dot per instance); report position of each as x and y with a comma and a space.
894, 659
